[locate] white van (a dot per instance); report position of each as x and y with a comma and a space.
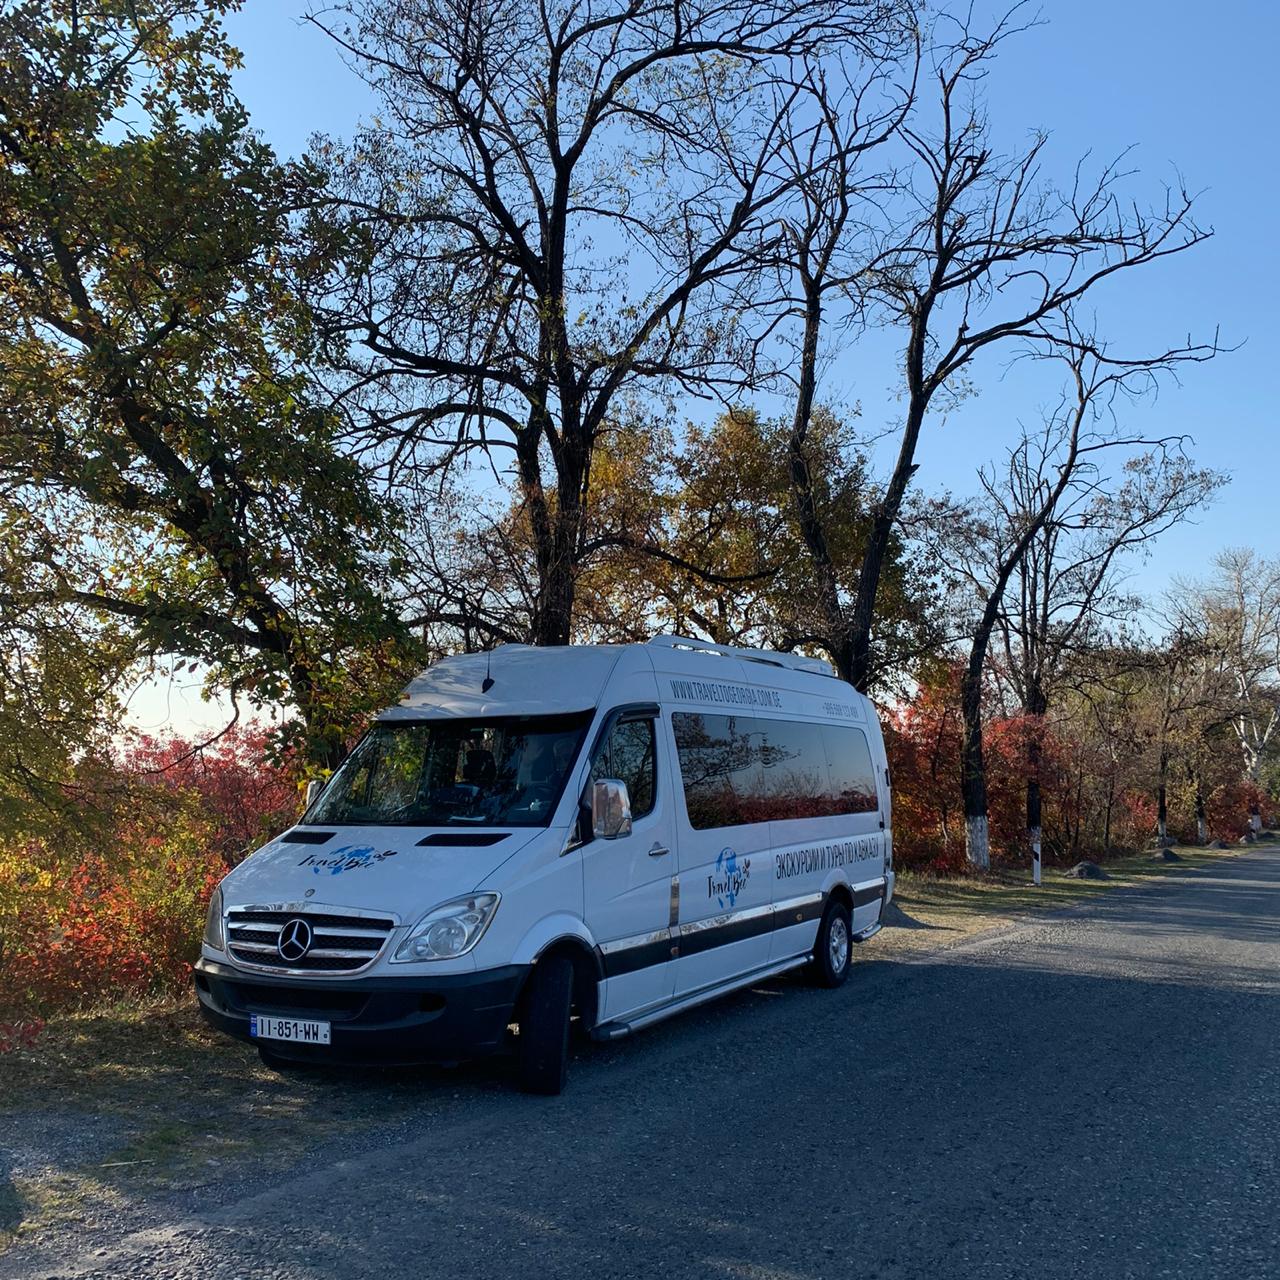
615, 833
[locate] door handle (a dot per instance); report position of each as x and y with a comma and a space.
658, 851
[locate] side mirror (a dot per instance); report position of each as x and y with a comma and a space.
314, 788
610, 809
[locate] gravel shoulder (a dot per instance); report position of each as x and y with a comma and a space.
127, 1137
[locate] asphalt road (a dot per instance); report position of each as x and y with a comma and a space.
1095, 1096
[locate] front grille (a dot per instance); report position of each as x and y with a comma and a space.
340, 943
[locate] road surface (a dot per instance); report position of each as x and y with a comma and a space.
1097, 1095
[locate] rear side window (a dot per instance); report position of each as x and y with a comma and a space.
741, 769
853, 778
796, 777
629, 754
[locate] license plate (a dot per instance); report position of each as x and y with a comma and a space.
296, 1030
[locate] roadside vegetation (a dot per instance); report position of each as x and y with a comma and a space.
295, 426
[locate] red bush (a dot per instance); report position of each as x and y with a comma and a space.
1228, 807
245, 795
922, 739
110, 906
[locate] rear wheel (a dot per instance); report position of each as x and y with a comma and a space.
833, 950
542, 1051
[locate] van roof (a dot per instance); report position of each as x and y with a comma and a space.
549, 680
526, 680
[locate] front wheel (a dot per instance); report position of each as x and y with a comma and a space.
542, 1052
833, 950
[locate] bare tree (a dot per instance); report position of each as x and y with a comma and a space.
1066, 590
1056, 482
1190, 701
1239, 613
977, 250
559, 201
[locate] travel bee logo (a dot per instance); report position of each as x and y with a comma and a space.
351, 858
729, 878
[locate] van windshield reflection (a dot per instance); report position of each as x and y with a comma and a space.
500, 772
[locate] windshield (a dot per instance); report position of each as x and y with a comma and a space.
492, 772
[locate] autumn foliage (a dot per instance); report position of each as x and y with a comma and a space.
1098, 798
107, 903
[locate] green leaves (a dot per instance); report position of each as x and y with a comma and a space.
154, 370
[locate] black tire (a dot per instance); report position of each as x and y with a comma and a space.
833, 948
542, 1050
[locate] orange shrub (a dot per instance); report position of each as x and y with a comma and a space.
110, 902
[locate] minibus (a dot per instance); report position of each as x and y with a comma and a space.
536, 839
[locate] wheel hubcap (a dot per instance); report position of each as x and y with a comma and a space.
838, 944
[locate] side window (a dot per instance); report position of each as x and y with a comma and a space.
720, 767
796, 783
853, 780
630, 755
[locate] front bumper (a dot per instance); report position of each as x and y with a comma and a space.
420, 1018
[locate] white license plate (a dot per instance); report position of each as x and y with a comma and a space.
295, 1030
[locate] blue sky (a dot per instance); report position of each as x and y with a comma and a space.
1192, 87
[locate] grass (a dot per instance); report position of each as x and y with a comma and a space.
930, 911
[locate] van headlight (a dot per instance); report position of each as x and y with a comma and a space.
213, 922
450, 929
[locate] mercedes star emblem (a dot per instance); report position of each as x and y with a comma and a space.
294, 941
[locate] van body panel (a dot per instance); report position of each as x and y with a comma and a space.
726, 903
541, 901
630, 884
369, 868
523, 683
557, 927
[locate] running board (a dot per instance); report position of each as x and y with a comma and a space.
610, 1031
617, 1030
867, 934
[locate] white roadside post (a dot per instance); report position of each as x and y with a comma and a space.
1035, 858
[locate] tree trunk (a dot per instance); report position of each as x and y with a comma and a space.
1034, 831
886, 516
973, 775
556, 527
1034, 828
1034, 807
919, 391
1202, 820
553, 612
1162, 800
1106, 824
810, 522
977, 840
1036, 706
